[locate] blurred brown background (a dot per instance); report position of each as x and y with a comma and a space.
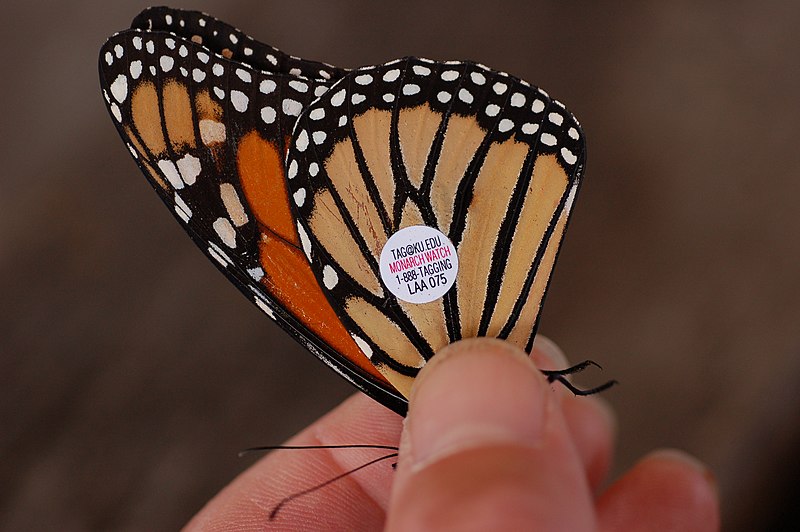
131, 373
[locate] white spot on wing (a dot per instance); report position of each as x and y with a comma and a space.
211, 131
568, 156
304, 241
244, 75
189, 167
268, 114
338, 98
555, 118
391, 75
329, 277
364, 346
170, 171
505, 125
233, 205
263, 306
119, 88
219, 255
239, 100
465, 96
136, 69
166, 63
548, 139
364, 79
256, 273
299, 86
302, 141
267, 86
450, 75
299, 197
292, 107
116, 112
225, 231
182, 209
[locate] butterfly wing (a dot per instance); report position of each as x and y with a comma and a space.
210, 134
230, 42
487, 159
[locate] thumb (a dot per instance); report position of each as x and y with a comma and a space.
485, 447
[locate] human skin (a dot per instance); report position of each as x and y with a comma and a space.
487, 444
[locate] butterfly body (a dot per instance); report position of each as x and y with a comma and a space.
292, 175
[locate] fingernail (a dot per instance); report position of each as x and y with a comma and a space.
554, 355
474, 393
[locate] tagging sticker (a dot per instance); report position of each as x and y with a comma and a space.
419, 264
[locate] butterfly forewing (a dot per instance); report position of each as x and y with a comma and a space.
210, 134
490, 161
230, 42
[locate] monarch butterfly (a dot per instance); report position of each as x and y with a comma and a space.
293, 176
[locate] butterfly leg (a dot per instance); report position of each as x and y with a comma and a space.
560, 376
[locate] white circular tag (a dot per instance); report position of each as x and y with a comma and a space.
419, 264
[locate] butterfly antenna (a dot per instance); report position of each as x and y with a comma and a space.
309, 447
330, 481
559, 375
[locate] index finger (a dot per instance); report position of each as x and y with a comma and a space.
355, 502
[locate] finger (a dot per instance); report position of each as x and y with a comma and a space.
486, 447
666, 491
590, 420
355, 502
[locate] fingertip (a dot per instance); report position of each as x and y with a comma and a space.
471, 393
592, 425
547, 355
668, 490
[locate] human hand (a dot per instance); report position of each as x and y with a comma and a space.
487, 445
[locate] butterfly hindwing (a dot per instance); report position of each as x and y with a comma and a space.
210, 134
490, 161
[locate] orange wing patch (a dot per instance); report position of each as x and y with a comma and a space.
288, 276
